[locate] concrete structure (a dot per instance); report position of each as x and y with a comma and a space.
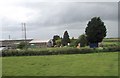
12, 43
32, 43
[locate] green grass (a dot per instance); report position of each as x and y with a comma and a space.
110, 43
0, 66
111, 39
94, 64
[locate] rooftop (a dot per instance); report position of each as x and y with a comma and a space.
38, 41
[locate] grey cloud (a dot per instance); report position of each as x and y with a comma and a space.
119, 19
59, 16
66, 13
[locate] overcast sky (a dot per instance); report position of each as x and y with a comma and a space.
46, 19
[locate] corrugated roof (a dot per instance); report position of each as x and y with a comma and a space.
38, 41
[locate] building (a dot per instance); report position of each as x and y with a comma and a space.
50, 43
12, 43
32, 43
40, 43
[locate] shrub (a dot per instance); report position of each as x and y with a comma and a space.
57, 51
111, 49
58, 42
83, 40
74, 43
21, 45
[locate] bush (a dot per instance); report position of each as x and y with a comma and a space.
111, 49
21, 45
83, 40
57, 51
73, 43
58, 42
110, 45
49, 51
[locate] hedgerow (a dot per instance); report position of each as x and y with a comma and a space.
57, 51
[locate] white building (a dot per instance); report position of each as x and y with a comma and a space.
41, 43
50, 43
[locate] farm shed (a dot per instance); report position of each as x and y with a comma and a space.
40, 43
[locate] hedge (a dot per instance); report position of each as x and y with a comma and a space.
57, 51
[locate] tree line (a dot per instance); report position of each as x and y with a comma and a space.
94, 33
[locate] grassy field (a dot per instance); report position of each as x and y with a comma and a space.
109, 43
94, 64
0, 66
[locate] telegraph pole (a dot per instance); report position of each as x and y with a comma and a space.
25, 30
9, 37
22, 30
25, 37
9, 43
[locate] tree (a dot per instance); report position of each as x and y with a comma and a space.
21, 45
55, 37
73, 42
83, 40
65, 39
95, 31
58, 42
